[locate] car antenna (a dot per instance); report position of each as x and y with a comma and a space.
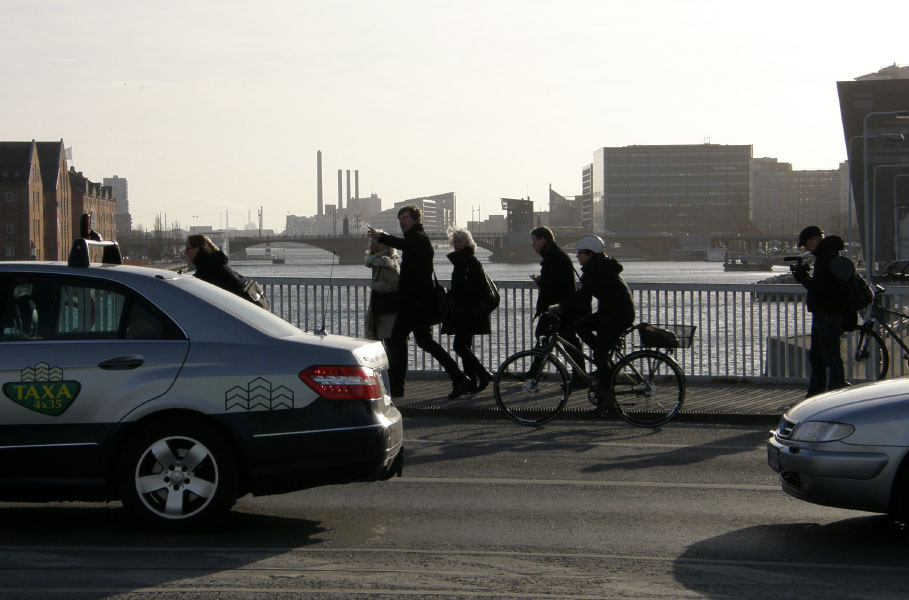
331, 295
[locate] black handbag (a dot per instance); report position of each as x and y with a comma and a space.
444, 308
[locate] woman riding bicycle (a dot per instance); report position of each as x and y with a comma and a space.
601, 279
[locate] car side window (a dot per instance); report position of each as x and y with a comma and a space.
69, 308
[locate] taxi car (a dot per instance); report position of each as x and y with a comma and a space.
174, 396
847, 448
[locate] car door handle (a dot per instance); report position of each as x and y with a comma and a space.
122, 363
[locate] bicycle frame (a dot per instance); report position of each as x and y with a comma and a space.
556, 342
879, 317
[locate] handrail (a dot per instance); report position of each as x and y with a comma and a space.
748, 332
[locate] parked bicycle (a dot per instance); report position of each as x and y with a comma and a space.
646, 387
872, 358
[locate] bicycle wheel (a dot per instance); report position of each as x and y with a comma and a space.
648, 388
871, 359
531, 387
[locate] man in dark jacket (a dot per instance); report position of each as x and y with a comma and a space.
826, 300
418, 303
556, 282
601, 279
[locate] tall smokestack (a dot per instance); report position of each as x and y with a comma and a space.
319, 208
357, 183
348, 188
340, 192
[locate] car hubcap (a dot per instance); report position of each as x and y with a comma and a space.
176, 477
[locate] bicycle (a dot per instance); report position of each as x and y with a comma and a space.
646, 387
872, 359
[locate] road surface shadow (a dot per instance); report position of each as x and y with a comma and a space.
90, 551
861, 558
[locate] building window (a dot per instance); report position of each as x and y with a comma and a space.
9, 228
9, 196
10, 249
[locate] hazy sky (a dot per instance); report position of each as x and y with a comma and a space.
214, 107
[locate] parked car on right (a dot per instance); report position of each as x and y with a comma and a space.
847, 448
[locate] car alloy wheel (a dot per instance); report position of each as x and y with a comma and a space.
178, 475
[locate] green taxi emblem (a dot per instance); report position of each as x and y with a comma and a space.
42, 389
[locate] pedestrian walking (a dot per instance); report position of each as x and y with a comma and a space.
213, 266
468, 294
826, 300
556, 282
418, 303
384, 299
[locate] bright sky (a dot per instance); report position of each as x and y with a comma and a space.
212, 107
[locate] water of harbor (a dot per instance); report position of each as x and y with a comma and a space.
314, 262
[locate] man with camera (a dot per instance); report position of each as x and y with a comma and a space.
826, 302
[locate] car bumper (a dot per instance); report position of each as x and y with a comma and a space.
860, 480
307, 448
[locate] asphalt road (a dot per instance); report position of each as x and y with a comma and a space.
489, 509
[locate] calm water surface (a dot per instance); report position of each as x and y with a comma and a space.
313, 262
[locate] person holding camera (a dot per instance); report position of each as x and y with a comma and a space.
826, 302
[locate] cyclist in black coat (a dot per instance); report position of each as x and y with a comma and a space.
556, 282
601, 279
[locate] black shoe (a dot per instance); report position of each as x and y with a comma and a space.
397, 392
459, 387
481, 382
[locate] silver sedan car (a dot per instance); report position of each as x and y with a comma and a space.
177, 397
847, 448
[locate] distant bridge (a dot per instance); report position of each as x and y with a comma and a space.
511, 247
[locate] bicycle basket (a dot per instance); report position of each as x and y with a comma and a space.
666, 336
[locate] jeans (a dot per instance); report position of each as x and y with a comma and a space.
827, 371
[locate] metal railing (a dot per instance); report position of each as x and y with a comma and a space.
756, 332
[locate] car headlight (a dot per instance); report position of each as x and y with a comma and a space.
821, 431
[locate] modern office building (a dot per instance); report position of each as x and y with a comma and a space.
875, 114
783, 200
684, 189
120, 188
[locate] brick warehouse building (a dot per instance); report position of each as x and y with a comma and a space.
40, 208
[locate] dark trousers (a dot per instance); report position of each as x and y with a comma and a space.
405, 323
463, 347
827, 371
602, 335
567, 332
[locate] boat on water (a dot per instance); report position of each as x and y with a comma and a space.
748, 262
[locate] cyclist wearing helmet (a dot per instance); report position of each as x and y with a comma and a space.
601, 279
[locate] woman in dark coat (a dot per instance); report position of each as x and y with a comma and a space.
212, 265
468, 295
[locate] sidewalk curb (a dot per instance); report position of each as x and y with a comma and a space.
464, 412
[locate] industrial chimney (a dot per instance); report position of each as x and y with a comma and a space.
319, 208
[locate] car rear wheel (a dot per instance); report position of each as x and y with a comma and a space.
177, 474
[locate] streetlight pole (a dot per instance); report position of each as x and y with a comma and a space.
869, 244
896, 219
874, 194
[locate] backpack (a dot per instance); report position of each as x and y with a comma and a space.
857, 294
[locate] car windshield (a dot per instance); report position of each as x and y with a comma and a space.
244, 310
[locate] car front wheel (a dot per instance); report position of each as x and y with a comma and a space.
177, 474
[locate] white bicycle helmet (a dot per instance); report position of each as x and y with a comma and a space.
591, 243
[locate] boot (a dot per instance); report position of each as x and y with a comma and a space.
482, 380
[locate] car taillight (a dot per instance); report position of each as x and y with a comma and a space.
342, 383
